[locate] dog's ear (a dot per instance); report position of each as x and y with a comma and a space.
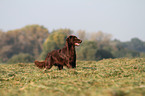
68, 44
68, 39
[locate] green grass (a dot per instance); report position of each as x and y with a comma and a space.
110, 77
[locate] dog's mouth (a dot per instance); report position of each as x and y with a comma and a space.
77, 44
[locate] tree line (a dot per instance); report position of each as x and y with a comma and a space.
34, 42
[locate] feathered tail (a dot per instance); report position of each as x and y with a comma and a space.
40, 64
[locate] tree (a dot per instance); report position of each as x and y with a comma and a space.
81, 34
66, 31
137, 44
102, 39
90, 51
25, 40
36, 35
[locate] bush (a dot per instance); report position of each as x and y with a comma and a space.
87, 50
103, 54
21, 58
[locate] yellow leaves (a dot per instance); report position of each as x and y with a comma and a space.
56, 39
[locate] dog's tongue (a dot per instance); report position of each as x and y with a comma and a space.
77, 44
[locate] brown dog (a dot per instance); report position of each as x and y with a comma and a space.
62, 57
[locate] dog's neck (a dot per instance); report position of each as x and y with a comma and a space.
70, 49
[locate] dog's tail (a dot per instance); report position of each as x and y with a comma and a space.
40, 64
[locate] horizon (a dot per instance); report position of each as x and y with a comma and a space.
74, 33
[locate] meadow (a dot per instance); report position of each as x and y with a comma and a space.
108, 77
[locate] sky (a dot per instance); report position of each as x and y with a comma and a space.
124, 19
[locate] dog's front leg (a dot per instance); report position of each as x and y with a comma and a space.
68, 65
49, 63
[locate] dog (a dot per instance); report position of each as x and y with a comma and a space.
62, 57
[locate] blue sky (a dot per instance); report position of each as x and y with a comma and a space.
124, 19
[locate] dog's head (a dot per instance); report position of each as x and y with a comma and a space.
73, 40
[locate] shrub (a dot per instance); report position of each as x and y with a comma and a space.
103, 54
87, 50
21, 58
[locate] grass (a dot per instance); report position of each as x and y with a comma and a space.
108, 77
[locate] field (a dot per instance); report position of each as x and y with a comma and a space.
108, 77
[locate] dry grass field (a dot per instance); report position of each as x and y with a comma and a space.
108, 77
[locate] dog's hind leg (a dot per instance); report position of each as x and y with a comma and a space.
60, 67
49, 63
